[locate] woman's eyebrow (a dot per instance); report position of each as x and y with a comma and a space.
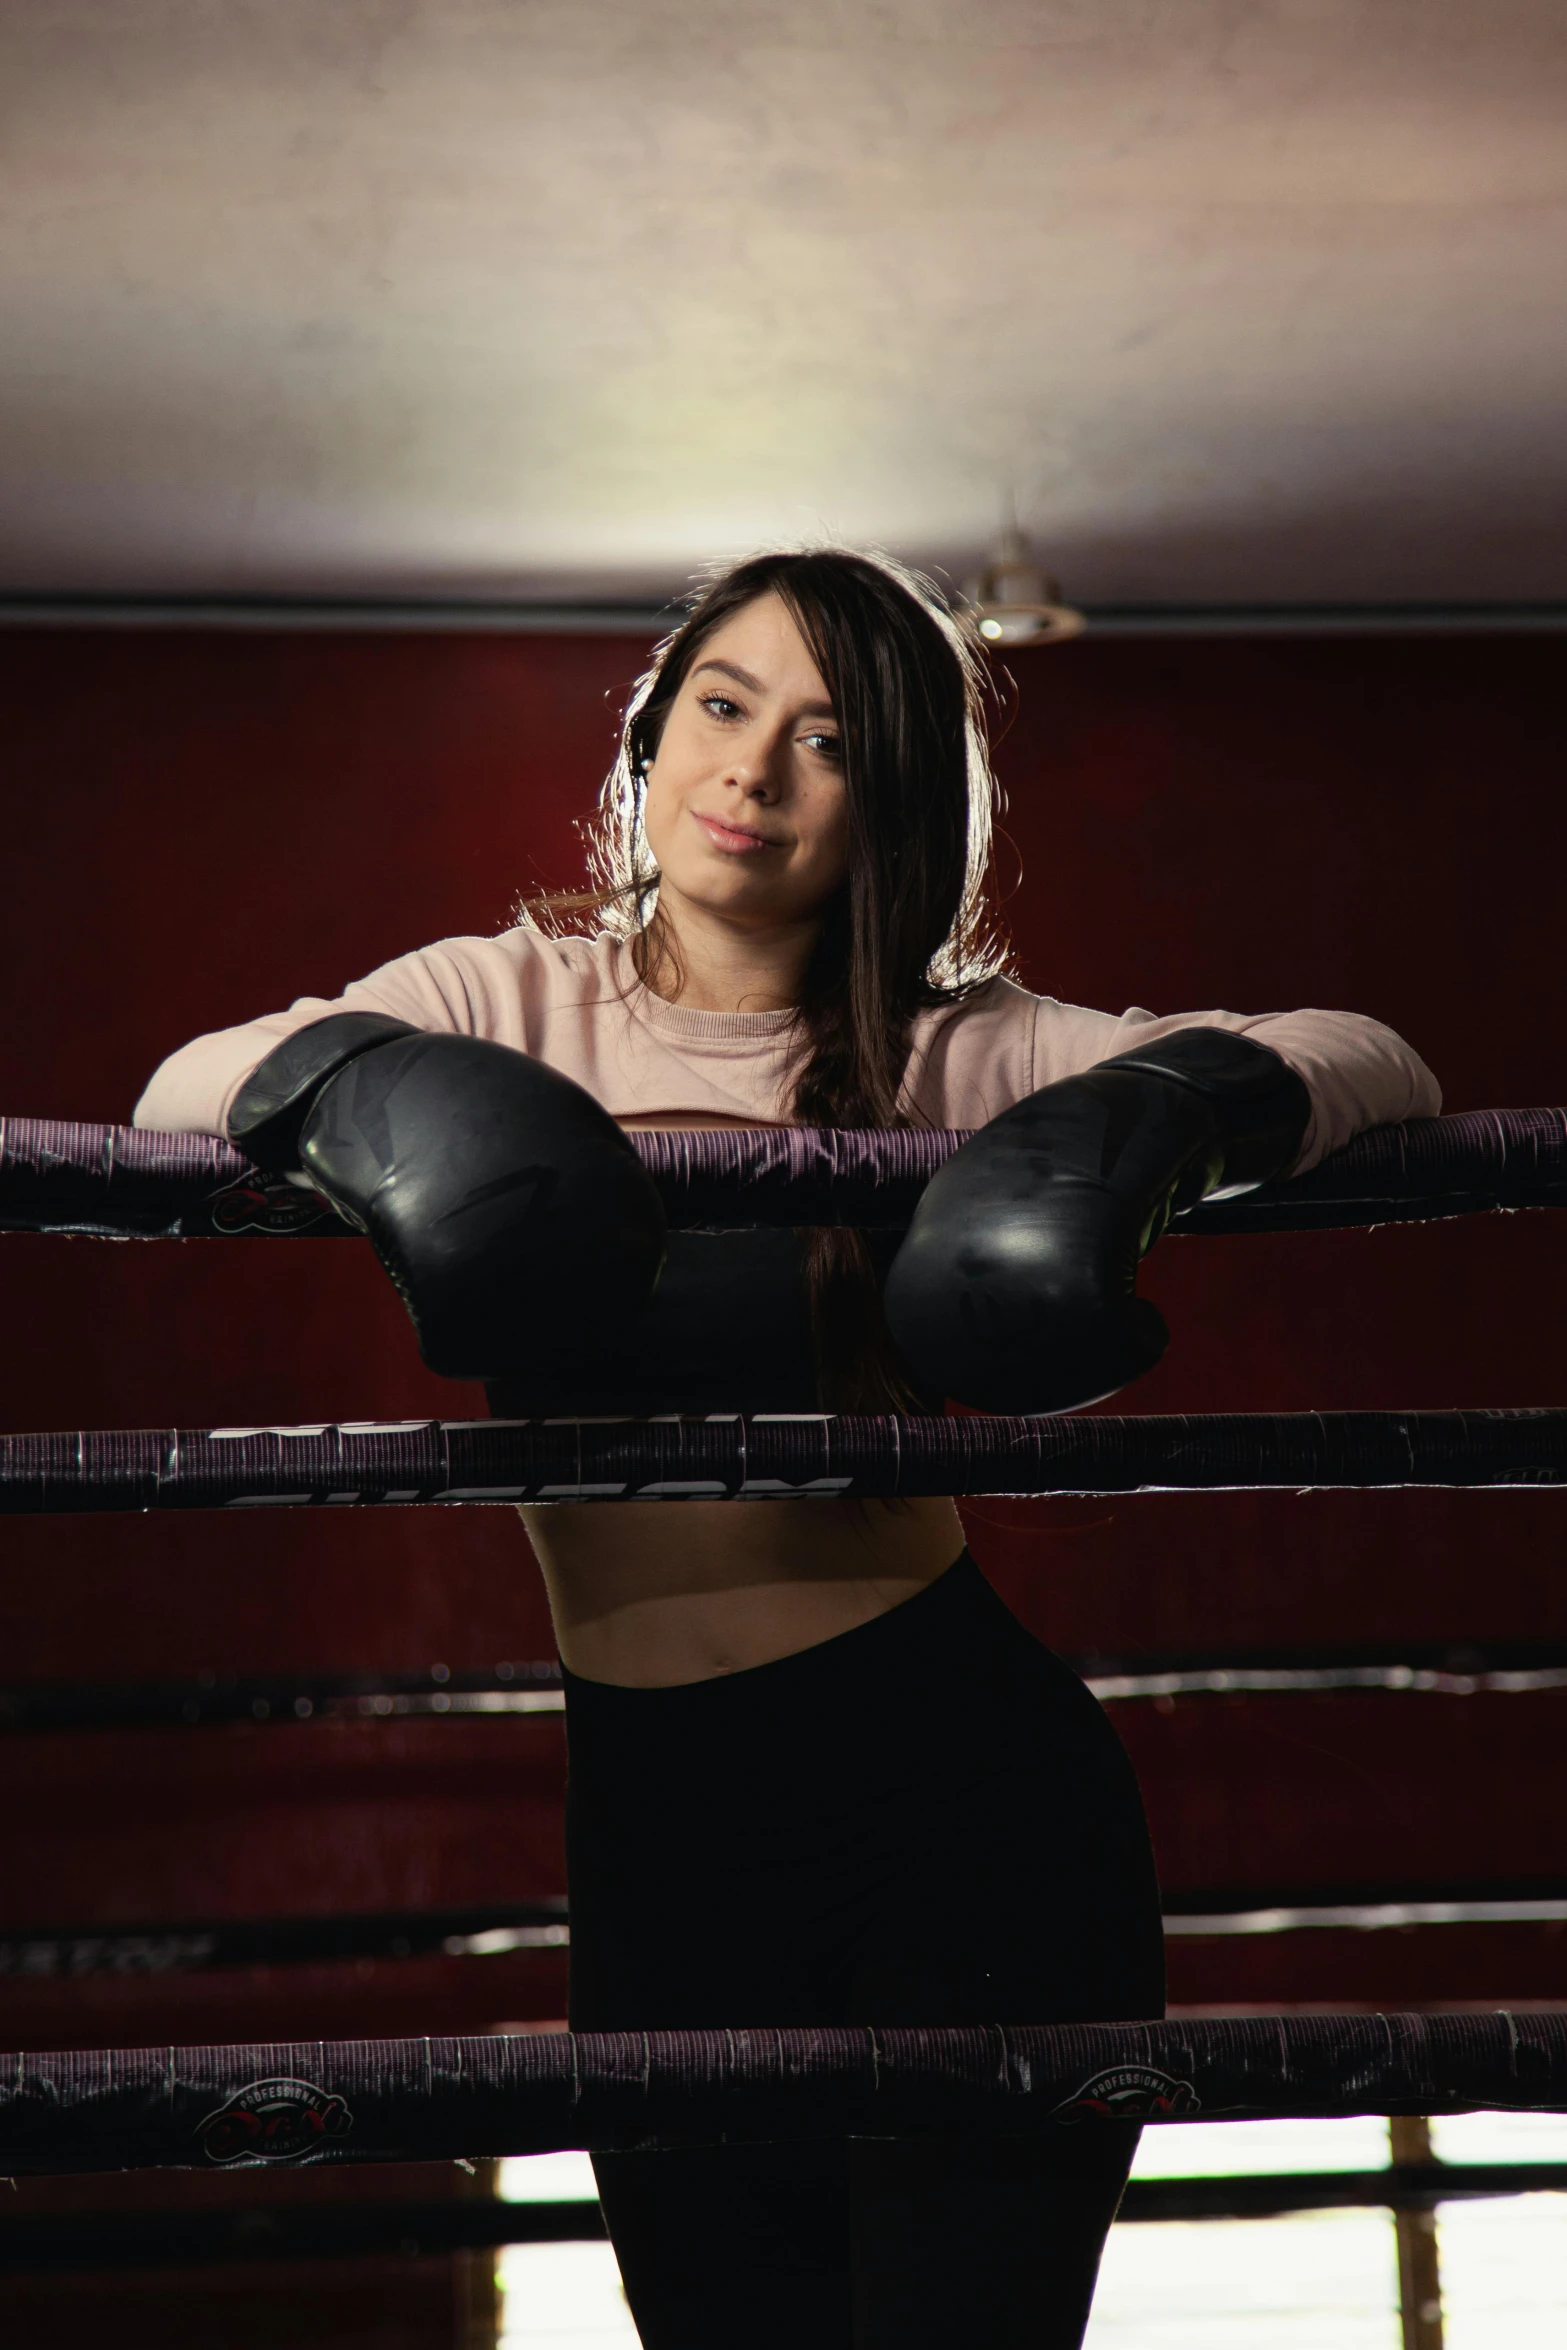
744, 677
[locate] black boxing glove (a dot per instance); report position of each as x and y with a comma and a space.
278, 1095
1015, 1288
510, 1210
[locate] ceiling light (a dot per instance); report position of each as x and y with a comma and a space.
1014, 602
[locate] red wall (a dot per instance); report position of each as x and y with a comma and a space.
202, 825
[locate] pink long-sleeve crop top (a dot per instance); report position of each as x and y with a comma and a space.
577, 1004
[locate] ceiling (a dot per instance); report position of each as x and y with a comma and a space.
1241, 300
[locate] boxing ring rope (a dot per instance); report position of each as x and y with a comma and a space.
153, 1950
398, 2101
771, 1458
115, 1182
459, 1693
434, 2099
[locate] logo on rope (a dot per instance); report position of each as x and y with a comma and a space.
1130, 2093
262, 1203
274, 2121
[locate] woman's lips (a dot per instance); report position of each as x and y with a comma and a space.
733, 838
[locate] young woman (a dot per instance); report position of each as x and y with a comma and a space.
818, 1772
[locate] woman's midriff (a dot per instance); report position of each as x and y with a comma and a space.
650, 1594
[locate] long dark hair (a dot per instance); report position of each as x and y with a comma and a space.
913, 925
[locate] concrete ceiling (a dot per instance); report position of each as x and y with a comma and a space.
1240, 299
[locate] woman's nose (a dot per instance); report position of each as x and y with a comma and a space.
756, 773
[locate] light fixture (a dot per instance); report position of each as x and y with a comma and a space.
1014, 602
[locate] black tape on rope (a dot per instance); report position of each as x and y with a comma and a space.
791, 1457
423, 2100
115, 1182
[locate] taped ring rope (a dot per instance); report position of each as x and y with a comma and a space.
788, 1457
423, 2100
117, 1182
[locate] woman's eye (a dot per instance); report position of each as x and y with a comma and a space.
827, 746
720, 706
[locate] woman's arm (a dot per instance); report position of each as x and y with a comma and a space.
1357, 1072
463, 987
969, 1064
1015, 1286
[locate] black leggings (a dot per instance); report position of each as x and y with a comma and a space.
928, 1820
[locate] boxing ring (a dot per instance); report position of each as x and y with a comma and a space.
419, 2099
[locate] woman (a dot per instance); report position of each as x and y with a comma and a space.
818, 1772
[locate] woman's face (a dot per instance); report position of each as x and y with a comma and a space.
746, 811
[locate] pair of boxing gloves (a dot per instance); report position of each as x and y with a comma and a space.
514, 1215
